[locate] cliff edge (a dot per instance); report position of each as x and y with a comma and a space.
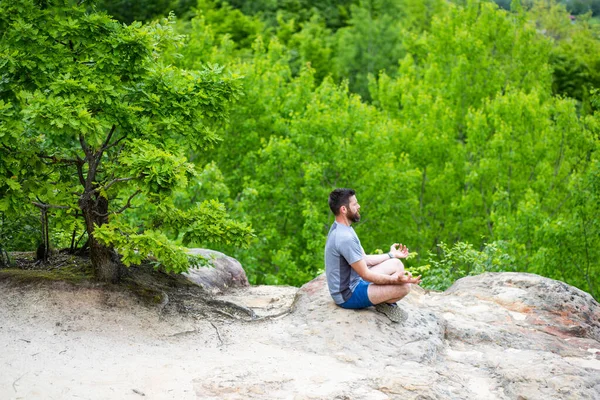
492, 336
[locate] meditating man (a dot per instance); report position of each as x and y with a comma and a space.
358, 280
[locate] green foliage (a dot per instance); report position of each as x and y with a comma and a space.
137, 247
206, 224
128, 11
372, 42
311, 45
20, 233
463, 141
498, 154
460, 260
225, 20
376, 38
456, 122
578, 7
276, 142
335, 12
158, 170
574, 7
575, 55
93, 118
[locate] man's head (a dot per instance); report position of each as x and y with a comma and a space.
343, 202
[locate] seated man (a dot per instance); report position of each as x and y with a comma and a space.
358, 280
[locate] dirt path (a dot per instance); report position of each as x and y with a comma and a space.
88, 344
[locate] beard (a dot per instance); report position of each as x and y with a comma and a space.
354, 217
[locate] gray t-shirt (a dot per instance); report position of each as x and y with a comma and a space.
342, 249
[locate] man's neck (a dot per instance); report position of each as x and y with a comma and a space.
341, 219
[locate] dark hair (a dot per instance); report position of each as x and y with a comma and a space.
339, 198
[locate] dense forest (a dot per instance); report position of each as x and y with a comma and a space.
469, 129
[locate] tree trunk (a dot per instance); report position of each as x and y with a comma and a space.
105, 261
43, 250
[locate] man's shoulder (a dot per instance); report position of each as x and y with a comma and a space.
342, 234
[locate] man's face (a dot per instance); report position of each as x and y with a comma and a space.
352, 211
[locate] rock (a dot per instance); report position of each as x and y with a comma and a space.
226, 272
552, 306
265, 301
492, 336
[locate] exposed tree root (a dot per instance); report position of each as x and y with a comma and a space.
229, 304
168, 293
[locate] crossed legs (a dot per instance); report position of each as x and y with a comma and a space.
388, 293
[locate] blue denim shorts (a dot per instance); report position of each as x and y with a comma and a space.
359, 298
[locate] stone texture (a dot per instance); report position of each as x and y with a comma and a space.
225, 272
265, 301
492, 336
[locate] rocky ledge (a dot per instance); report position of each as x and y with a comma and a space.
492, 336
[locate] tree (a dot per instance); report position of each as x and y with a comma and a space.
575, 58
463, 144
128, 11
289, 143
501, 159
334, 12
93, 123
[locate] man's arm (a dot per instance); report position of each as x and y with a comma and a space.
381, 279
396, 251
374, 259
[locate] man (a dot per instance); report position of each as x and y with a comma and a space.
358, 280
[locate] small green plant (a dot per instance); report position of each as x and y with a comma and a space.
460, 260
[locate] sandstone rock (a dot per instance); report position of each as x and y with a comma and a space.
492, 336
225, 272
265, 301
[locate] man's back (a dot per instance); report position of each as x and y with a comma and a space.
342, 249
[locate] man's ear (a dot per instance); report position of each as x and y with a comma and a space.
343, 209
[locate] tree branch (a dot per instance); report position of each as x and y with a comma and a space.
116, 142
45, 206
128, 204
92, 163
120, 210
109, 184
63, 43
80, 170
85, 147
57, 160
107, 141
72, 48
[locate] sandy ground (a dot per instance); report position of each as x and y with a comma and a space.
493, 336
61, 343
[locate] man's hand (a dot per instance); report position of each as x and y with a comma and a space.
405, 277
398, 250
